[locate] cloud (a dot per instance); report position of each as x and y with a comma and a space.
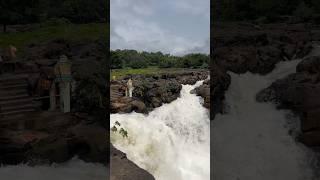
198, 7
132, 27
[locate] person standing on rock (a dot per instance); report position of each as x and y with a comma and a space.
129, 87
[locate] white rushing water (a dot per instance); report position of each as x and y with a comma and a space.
172, 142
251, 141
72, 170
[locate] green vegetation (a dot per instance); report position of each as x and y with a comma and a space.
72, 32
143, 71
124, 72
27, 22
18, 11
122, 59
266, 10
38, 11
122, 131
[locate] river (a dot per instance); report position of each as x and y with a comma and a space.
75, 169
252, 140
172, 142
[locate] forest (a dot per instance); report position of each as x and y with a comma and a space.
266, 11
38, 11
133, 59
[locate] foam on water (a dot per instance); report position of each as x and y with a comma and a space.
172, 142
72, 170
251, 141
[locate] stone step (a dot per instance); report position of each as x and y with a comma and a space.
16, 102
8, 108
13, 97
13, 86
13, 82
116, 94
13, 92
7, 119
13, 77
16, 112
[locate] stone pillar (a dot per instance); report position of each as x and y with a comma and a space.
61, 88
65, 96
53, 101
130, 91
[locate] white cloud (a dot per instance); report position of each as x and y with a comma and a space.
195, 7
130, 29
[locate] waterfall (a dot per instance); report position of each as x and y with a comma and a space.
252, 141
172, 142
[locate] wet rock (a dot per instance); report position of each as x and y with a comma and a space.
219, 83
11, 151
127, 105
310, 65
57, 139
151, 91
240, 48
191, 77
124, 169
89, 143
54, 149
204, 92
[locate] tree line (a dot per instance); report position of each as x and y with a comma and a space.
265, 10
133, 59
34, 11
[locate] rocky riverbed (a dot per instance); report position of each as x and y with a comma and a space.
52, 137
151, 91
300, 92
244, 47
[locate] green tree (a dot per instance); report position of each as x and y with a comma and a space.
18, 12
116, 61
303, 11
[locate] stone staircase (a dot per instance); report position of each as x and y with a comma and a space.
14, 98
116, 90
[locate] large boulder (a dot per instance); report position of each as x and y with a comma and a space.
246, 47
127, 105
155, 92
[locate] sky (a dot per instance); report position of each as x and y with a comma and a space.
175, 27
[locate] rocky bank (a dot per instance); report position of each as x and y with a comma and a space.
123, 169
300, 92
52, 137
243, 47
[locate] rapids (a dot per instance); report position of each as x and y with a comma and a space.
252, 140
172, 142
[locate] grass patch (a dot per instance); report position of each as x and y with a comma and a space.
72, 32
118, 73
